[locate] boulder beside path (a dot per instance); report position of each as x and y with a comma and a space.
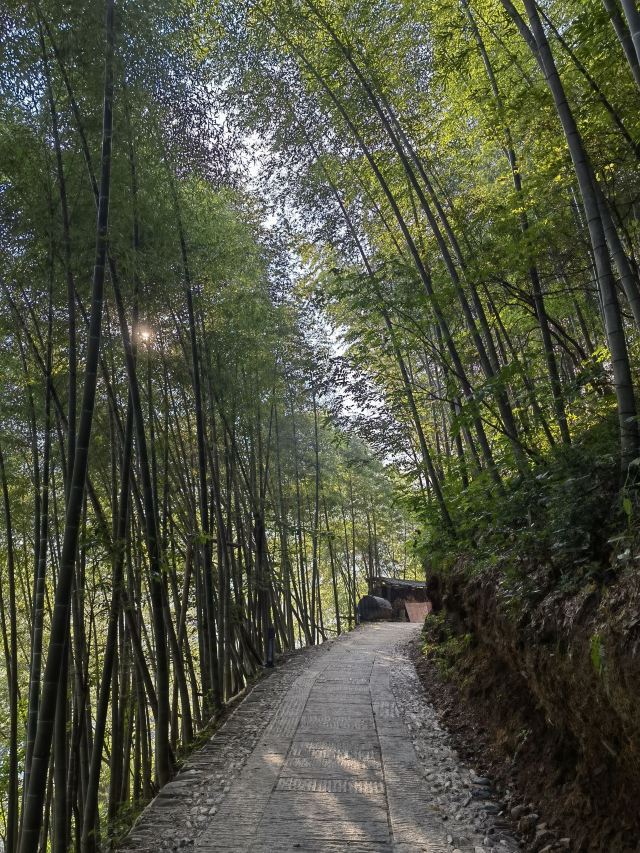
372, 608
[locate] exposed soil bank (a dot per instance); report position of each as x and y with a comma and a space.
541, 689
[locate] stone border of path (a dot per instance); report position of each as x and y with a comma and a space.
181, 809
474, 818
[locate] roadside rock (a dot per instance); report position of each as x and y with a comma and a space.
527, 823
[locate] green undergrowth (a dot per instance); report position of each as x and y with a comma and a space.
566, 522
441, 645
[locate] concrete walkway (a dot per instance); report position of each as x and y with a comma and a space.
338, 750
335, 769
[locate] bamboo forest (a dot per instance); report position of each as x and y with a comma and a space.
304, 303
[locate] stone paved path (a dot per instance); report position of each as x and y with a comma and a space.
334, 769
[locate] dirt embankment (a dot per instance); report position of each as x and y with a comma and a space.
542, 689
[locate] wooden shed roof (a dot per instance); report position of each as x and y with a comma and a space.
400, 583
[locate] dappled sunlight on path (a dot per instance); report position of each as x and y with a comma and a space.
335, 769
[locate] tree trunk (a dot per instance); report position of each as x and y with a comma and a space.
34, 802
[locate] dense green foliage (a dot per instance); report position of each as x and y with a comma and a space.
444, 230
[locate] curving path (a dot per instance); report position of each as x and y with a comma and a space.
340, 765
